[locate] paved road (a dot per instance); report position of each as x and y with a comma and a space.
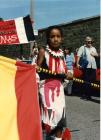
83, 118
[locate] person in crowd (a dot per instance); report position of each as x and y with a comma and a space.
51, 88
75, 55
89, 73
34, 53
70, 60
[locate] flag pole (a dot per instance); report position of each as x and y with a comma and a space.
32, 10
32, 19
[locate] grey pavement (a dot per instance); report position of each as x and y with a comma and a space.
83, 118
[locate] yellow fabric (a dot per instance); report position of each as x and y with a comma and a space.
8, 102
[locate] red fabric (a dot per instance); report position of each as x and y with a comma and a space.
57, 63
98, 74
28, 112
9, 33
77, 72
51, 85
66, 134
50, 62
47, 128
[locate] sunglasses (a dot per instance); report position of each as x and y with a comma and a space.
89, 42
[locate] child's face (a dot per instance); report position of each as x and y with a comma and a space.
55, 38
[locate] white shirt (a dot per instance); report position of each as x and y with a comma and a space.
90, 58
34, 60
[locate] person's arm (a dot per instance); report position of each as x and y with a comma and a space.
73, 58
40, 57
80, 51
77, 63
94, 53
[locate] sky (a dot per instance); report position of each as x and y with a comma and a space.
50, 12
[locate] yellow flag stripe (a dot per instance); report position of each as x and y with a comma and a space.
8, 102
7, 60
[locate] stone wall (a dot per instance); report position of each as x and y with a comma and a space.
75, 33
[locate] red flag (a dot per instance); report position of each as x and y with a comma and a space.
16, 31
19, 105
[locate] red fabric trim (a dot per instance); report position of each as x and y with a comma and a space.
28, 113
50, 62
66, 135
57, 64
56, 70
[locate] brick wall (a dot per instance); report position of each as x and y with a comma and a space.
75, 32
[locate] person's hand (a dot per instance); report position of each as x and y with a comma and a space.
37, 68
69, 76
92, 54
78, 66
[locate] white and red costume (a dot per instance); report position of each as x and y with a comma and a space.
51, 89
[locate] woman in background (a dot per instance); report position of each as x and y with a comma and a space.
70, 60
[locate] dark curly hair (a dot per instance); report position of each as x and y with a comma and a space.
49, 29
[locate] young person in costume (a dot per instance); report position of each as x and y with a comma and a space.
51, 88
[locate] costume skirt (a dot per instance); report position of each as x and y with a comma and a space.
53, 103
